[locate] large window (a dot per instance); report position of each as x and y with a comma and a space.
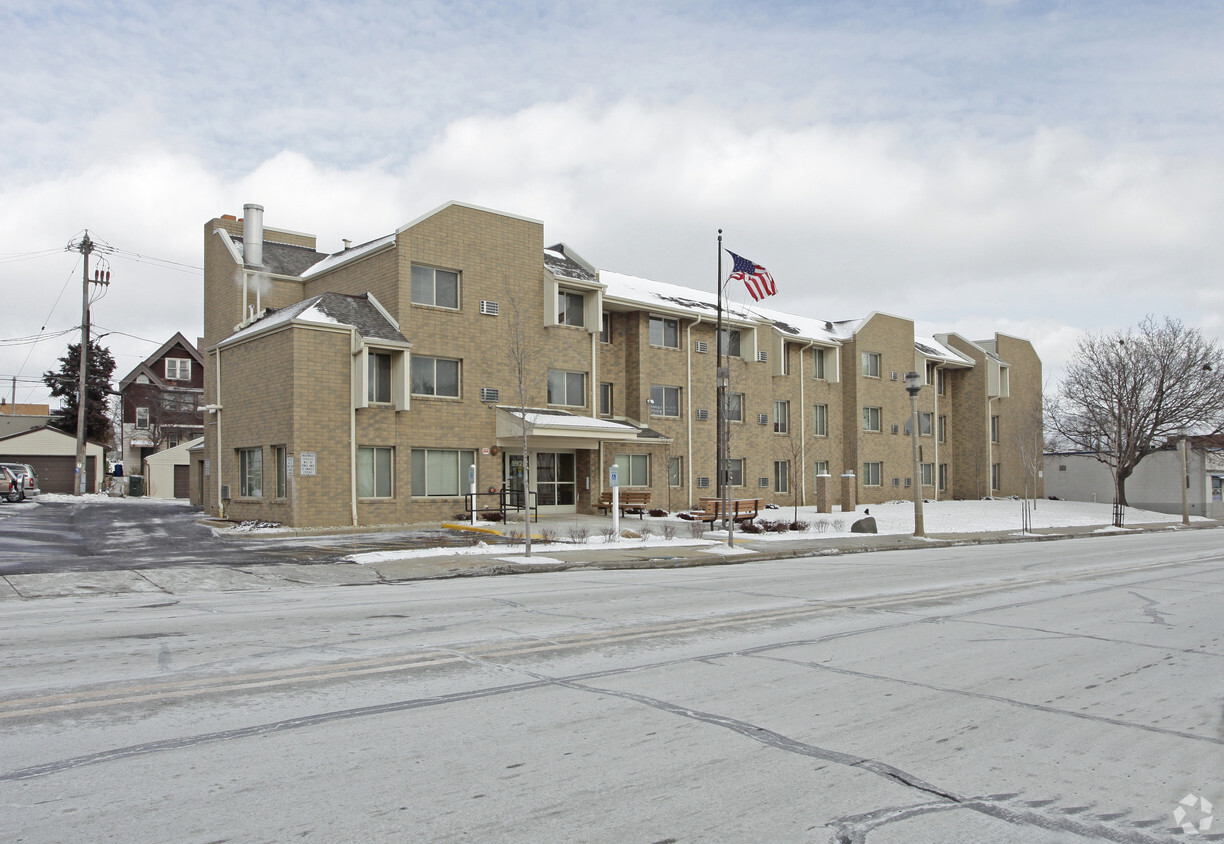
605, 398
435, 377
281, 456
731, 342
567, 388
440, 471
675, 471
664, 332
820, 420
439, 288
735, 471
818, 364
250, 472
782, 476
781, 417
735, 407
872, 473
871, 419
924, 423
634, 469
178, 369
142, 418
374, 471
871, 364
379, 382
570, 308
664, 401
928, 474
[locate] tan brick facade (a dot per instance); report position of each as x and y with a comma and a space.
297, 386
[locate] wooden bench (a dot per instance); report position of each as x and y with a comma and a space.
630, 500
740, 509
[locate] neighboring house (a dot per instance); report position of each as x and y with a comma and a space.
1156, 484
15, 418
358, 387
161, 401
52, 453
167, 473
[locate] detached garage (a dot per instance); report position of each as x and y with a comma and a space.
167, 473
52, 453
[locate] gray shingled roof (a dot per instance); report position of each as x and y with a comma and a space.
284, 259
357, 311
560, 264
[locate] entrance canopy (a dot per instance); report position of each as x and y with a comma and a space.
548, 428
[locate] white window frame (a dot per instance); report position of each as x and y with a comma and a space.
820, 420
423, 276
925, 423
781, 417
565, 307
735, 471
425, 361
180, 371
280, 460
873, 419
675, 471
605, 398
732, 337
250, 472
818, 364
928, 473
871, 364
375, 471
142, 418
436, 487
734, 400
659, 401
782, 476
563, 379
375, 383
634, 469
605, 327
819, 467
663, 324
994, 429
873, 473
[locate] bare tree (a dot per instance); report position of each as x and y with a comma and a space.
1123, 393
797, 448
1030, 447
520, 350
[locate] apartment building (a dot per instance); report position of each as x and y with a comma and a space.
359, 387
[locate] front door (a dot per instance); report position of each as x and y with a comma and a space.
556, 481
514, 479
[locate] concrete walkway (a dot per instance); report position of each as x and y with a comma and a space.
446, 563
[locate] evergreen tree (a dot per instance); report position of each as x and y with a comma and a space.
63, 385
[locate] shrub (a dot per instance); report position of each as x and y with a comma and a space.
492, 516
658, 512
548, 535
608, 532
688, 517
780, 527
749, 527
798, 525
514, 535
578, 533
821, 526
669, 531
696, 529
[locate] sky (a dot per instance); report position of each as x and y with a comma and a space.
1034, 167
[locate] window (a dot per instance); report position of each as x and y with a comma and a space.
440, 471
931, 369
943, 476
250, 473
872, 473
142, 379
735, 407
735, 471
374, 471
379, 382
570, 308
675, 471
995, 473
281, 455
871, 364
994, 429
941, 380
142, 418
782, 476
172, 439
178, 369
818, 364
634, 469
605, 327
435, 377
568, 388
924, 423
820, 467
605, 398
928, 474
781, 417
871, 419
664, 401
820, 423
439, 288
664, 332
943, 429
179, 401
731, 342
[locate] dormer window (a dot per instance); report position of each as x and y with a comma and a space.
178, 369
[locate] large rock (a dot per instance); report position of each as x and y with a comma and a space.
864, 525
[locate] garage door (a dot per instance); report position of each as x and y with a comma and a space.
182, 481
56, 474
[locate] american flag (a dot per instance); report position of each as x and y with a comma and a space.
755, 277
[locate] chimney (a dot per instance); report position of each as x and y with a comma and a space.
252, 235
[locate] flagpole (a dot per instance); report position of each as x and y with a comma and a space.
722, 379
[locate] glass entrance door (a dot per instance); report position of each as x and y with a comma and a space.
556, 479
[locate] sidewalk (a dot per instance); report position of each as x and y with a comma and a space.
494, 560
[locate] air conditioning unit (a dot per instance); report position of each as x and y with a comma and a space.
894, 429
703, 415
703, 482
489, 308
892, 376
490, 394
896, 482
908, 481
762, 356
703, 346
763, 483
225, 492
762, 418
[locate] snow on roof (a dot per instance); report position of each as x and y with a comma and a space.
932, 348
337, 258
328, 309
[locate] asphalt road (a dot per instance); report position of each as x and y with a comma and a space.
1014, 693
150, 533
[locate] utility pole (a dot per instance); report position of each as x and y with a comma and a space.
86, 247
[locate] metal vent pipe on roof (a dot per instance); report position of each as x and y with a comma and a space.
252, 235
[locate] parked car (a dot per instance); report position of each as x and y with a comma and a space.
28, 480
10, 485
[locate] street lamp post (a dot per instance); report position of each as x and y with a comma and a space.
913, 383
